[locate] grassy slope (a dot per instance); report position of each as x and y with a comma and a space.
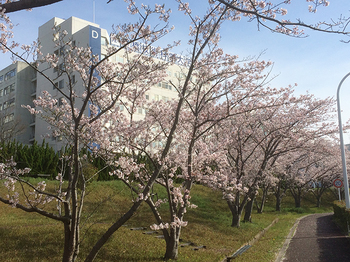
31, 237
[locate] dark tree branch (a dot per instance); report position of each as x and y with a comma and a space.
31, 209
26, 4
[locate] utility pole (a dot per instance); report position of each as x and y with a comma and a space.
342, 147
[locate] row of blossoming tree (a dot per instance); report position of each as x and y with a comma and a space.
227, 128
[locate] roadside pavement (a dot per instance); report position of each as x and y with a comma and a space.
316, 239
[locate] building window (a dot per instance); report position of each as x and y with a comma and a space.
12, 88
72, 79
6, 90
10, 74
119, 59
59, 52
9, 118
59, 84
156, 97
164, 85
104, 41
11, 102
147, 97
1, 78
60, 101
0, 107
9, 89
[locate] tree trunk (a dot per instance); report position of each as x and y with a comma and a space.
297, 200
236, 213
67, 251
248, 210
318, 204
172, 244
278, 202
263, 200
280, 192
318, 194
71, 249
236, 219
278, 197
262, 204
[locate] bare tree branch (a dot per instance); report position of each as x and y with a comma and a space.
35, 209
337, 27
26, 4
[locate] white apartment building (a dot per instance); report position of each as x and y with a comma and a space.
83, 34
17, 88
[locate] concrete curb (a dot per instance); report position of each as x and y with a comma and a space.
253, 240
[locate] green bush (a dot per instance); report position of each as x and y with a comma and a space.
341, 215
41, 159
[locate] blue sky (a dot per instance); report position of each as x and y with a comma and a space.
316, 63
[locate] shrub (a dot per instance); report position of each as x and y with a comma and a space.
341, 215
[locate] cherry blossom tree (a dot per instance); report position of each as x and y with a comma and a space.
212, 89
206, 97
313, 127
279, 185
105, 85
322, 156
208, 91
211, 99
314, 170
262, 136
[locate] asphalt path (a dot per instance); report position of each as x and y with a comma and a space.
316, 238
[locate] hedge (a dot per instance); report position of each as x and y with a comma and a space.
341, 215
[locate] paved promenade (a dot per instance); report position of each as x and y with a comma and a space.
316, 238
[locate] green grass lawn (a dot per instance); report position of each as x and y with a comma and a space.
31, 237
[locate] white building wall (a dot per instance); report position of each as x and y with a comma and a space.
30, 85
79, 31
17, 84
